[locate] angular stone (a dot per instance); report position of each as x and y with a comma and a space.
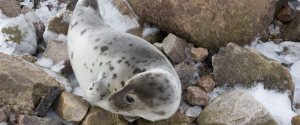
285, 14
123, 8
97, 116
198, 54
34, 89
60, 24
57, 51
196, 96
175, 47
292, 31
209, 24
241, 66
296, 120
33, 120
10, 8
72, 108
177, 119
186, 73
206, 83
235, 108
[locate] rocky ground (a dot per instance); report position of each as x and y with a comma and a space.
238, 61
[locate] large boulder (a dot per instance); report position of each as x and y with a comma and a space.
236, 65
25, 87
10, 8
235, 108
209, 24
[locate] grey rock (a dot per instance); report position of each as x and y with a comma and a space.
10, 8
235, 108
236, 65
175, 47
57, 51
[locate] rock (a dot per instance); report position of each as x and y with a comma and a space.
237, 65
196, 96
186, 73
60, 24
34, 89
26, 10
4, 113
27, 57
175, 47
57, 51
151, 38
292, 31
72, 108
235, 107
193, 111
209, 24
10, 8
98, 116
33, 120
285, 14
206, 83
123, 8
198, 54
177, 119
19, 37
296, 120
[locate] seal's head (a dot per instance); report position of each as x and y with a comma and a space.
152, 95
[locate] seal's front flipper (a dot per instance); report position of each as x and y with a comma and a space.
130, 118
98, 89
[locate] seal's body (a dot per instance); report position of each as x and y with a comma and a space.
120, 72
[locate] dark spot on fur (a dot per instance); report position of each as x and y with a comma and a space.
71, 55
116, 89
104, 48
153, 84
90, 88
122, 83
137, 70
157, 75
100, 64
108, 85
127, 62
97, 40
130, 44
167, 81
83, 32
111, 68
73, 25
114, 76
91, 70
96, 47
110, 43
93, 64
133, 58
115, 38
161, 89
91, 3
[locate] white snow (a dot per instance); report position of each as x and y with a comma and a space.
58, 67
114, 18
148, 30
51, 36
79, 91
193, 111
44, 62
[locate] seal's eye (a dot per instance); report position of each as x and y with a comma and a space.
129, 99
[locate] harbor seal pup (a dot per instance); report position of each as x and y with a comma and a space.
119, 72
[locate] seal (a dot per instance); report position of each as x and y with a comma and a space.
119, 72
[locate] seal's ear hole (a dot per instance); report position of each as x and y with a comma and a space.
129, 99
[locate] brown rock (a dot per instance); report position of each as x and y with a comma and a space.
10, 8
177, 119
209, 24
198, 54
4, 113
98, 116
33, 120
292, 31
123, 8
175, 47
34, 89
27, 57
186, 73
285, 15
59, 24
71, 107
237, 65
296, 120
206, 83
26, 10
57, 51
196, 96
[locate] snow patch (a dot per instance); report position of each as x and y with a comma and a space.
79, 91
148, 30
44, 62
193, 111
114, 18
